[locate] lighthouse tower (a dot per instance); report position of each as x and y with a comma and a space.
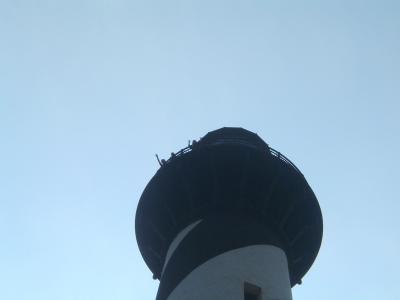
228, 218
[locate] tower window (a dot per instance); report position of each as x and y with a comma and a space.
251, 292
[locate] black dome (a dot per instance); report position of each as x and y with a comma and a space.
230, 171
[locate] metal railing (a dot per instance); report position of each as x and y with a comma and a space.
283, 158
195, 144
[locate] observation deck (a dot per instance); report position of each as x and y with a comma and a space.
230, 177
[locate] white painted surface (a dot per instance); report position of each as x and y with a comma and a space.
223, 277
177, 240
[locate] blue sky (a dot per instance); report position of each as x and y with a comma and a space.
91, 90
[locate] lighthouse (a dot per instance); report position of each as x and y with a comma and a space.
228, 218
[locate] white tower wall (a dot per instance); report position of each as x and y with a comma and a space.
223, 277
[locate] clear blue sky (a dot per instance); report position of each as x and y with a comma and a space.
90, 90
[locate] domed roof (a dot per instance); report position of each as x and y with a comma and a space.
230, 171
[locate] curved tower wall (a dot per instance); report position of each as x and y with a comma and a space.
177, 240
224, 276
225, 215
